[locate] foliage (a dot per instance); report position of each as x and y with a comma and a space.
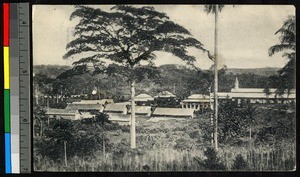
239, 163
234, 121
82, 137
212, 161
182, 144
184, 81
276, 125
169, 102
127, 35
287, 45
213, 8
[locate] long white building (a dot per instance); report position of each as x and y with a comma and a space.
256, 95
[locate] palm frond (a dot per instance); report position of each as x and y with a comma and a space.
281, 47
213, 8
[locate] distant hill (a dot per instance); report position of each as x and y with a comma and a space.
258, 71
50, 70
55, 70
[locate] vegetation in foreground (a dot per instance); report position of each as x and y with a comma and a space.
99, 145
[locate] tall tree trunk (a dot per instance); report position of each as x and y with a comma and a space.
37, 95
132, 125
216, 79
103, 147
65, 153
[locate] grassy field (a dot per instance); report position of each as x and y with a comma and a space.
172, 145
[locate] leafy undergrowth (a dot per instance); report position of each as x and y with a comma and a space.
172, 146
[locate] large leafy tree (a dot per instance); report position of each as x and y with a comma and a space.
128, 36
286, 45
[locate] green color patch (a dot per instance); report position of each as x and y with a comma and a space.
7, 111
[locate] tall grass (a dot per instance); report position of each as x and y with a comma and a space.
258, 159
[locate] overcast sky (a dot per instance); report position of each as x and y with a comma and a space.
245, 33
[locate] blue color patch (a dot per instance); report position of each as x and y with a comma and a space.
7, 153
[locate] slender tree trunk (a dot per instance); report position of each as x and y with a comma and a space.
103, 146
65, 153
37, 95
48, 103
216, 79
103, 143
132, 125
41, 130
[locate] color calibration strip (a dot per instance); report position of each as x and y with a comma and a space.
16, 60
7, 138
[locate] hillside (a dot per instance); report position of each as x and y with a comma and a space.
180, 80
50, 70
259, 71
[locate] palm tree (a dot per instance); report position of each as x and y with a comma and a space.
287, 45
215, 9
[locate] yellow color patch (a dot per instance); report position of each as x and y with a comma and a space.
6, 67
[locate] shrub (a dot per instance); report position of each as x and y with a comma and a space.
239, 163
182, 144
194, 134
290, 164
212, 162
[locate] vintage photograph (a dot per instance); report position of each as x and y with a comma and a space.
150, 88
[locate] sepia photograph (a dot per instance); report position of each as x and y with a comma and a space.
164, 88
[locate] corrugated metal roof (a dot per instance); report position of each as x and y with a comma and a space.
116, 107
118, 117
173, 112
200, 98
253, 95
196, 101
165, 94
254, 90
76, 106
250, 90
52, 111
141, 109
103, 101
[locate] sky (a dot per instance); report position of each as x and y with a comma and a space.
246, 32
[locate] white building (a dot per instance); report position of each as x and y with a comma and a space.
196, 102
256, 95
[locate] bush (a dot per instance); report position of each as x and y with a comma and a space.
194, 134
82, 137
120, 149
239, 163
125, 128
212, 162
290, 164
182, 144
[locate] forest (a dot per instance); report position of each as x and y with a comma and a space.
180, 80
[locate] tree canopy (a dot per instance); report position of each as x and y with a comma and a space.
127, 35
287, 45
